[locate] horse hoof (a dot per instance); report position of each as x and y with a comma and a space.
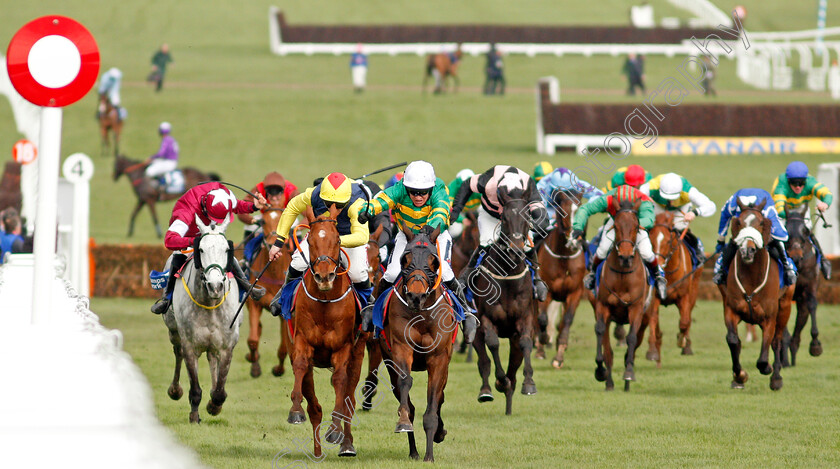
414, 456
776, 383
529, 389
609, 387
252, 357
652, 355
737, 385
194, 418
681, 343
557, 364
629, 375
485, 397
742, 377
213, 409
764, 368
503, 387
278, 371
175, 392
600, 374
687, 350
256, 371
439, 435
404, 428
347, 451
816, 349
540, 355
296, 417
334, 437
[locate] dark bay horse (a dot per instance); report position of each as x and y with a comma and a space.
624, 297
752, 294
272, 279
506, 307
322, 335
149, 193
464, 245
441, 66
562, 268
109, 124
417, 336
801, 250
375, 272
683, 283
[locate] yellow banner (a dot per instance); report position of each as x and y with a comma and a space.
690, 146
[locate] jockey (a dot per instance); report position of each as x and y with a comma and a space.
776, 246
166, 158
211, 202
564, 179
397, 177
109, 86
383, 219
347, 196
796, 187
541, 170
633, 175
420, 202
671, 192
278, 192
456, 227
497, 185
646, 218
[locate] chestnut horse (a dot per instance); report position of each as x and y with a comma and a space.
562, 268
504, 296
683, 282
109, 123
624, 297
442, 66
322, 334
418, 332
801, 250
462, 248
147, 192
375, 272
767, 305
272, 279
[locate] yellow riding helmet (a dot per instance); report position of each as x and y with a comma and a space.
542, 169
336, 188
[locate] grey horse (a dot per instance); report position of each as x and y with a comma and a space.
203, 305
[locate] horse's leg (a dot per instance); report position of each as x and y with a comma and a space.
683, 340
565, 327
438, 366
456, 81
654, 337
117, 132
254, 334
485, 394
282, 351
601, 335
731, 320
218, 394
372, 379
213, 362
313, 408
354, 371
634, 338
608, 354
492, 340
400, 371
175, 391
768, 330
301, 359
140, 203
815, 348
526, 344
791, 342
342, 412
191, 361
542, 323
151, 204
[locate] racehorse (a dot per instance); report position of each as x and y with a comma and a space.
375, 272
624, 297
801, 250
272, 279
442, 66
417, 336
683, 282
767, 305
149, 193
562, 268
321, 335
203, 305
109, 123
506, 306
464, 245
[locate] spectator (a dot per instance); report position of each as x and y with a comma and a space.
11, 238
634, 68
495, 81
358, 69
709, 77
159, 63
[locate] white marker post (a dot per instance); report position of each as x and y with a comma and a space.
78, 169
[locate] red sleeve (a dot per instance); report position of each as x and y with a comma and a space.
244, 206
175, 242
289, 192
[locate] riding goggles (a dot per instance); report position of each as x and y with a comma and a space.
418, 192
798, 182
273, 191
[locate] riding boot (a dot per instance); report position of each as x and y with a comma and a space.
367, 312
659, 278
274, 306
162, 304
470, 322
589, 280
540, 288
722, 264
697, 246
825, 264
777, 251
257, 291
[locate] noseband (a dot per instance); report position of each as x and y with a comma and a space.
322, 257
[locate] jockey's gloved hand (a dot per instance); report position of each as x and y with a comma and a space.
719, 247
577, 234
427, 230
259, 223
364, 216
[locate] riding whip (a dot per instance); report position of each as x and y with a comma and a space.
382, 170
231, 184
249, 292
825, 223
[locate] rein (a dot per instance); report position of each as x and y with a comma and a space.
749, 297
319, 300
189, 293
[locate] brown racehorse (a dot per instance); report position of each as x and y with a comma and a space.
504, 297
683, 284
624, 296
375, 273
801, 250
109, 123
442, 66
753, 270
322, 335
464, 245
149, 193
562, 268
418, 332
272, 279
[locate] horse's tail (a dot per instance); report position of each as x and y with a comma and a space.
214, 177
430, 64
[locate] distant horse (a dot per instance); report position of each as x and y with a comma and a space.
768, 305
203, 305
417, 336
272, 279
506, 306
801, 250
322, 334
149, 193
562, 268
442, 66
109, 123
683, 283
623, 297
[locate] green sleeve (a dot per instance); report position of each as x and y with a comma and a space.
646, 217
439, 216
588, 209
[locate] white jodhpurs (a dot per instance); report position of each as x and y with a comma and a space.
160, 166
357, 257
444, 245
642, 243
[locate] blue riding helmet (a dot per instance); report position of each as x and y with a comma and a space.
796, 170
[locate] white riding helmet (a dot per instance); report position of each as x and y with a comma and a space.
419, 175
465, 174
670, 186
165, 127
115, 72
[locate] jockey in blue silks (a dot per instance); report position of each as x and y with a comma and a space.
565, 180
776, 246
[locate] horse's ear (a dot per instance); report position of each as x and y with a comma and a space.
637, 205
202, 228
405, 260
334, 211
223, 226
760, 206
766, 230
616, 206
741, 206
377, 232
736, 226
434, 234
409, 235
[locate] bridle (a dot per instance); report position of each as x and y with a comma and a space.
323, 257
673, 247
619, 242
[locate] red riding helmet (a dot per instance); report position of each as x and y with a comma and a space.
217, 204
634, 176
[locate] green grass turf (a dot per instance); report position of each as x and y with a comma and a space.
682, 415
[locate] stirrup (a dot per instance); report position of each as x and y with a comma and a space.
540, 290
161, 306
661, 287
719, 278
589, 281
825, 267
470, 325
367, 318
